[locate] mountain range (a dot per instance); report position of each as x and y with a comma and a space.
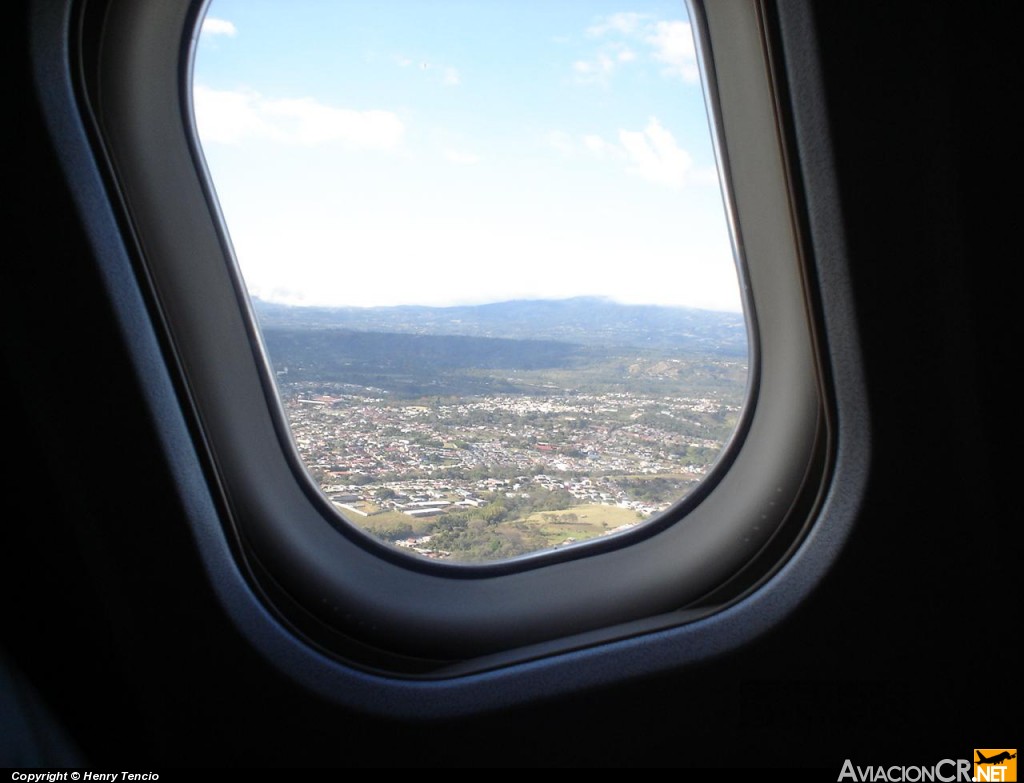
586, 321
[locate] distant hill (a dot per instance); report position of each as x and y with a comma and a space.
588, 321
411, 364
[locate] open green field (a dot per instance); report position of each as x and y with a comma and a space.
393, 520
579, 522
556, 528
590, 520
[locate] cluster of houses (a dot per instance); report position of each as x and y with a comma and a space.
373, 454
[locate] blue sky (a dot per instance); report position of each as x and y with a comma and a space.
374, 153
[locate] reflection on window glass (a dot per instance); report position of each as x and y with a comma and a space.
486, 247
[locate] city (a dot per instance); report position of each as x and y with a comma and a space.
489, 432
499, 476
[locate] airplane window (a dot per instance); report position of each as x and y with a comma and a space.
477, 312
487, 248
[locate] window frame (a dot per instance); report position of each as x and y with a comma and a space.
356, 635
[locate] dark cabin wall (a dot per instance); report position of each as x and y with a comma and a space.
898, 657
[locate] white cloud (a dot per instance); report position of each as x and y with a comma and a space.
651, 153
673, 45
561, 141
214, 26
461, 157
666, 42
596, 145
595, 69
229, 117
655, 156
311, 122
449, 74
625, 23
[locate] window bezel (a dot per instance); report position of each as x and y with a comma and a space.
216, 353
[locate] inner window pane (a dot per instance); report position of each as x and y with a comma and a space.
487, 250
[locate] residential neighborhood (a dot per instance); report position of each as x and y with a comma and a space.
376, 457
